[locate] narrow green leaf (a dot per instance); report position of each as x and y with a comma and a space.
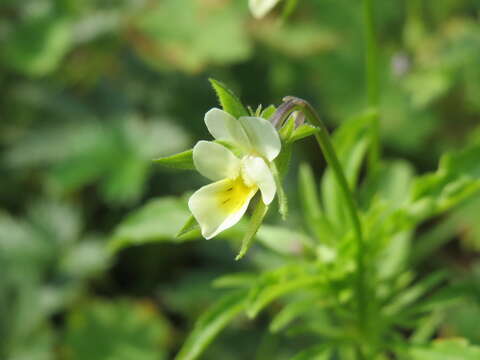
190, 225
448, 349
255, 222
316, 352
210, 324
289, 313
228, 100
183, 161
242, 279
312, 210
282, 196
288, 9
302, 132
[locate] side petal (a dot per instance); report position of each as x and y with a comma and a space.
215, 161
256, 171
262, 135
220, 205
224, 126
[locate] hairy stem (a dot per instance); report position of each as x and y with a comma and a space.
323, 138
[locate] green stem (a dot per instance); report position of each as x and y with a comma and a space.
372, 79
323, 138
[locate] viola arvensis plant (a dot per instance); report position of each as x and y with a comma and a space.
221, 204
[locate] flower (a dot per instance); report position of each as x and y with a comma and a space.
221, 204
260, 8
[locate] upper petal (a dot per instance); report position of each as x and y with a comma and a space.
215, 161
220, 205
224, 126
263, 136
256, 171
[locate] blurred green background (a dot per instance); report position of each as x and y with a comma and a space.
93, 90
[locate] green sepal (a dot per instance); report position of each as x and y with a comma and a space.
256, 220
228, 100
268, 112
181, 161
190, 225
302, 132
281, 195
287, 129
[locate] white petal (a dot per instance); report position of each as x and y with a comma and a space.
260, 8
255, 170
262, 135
224, 126
220, 205
215, 161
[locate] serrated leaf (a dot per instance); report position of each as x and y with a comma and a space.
183, 160
228, 100
256, 221
211, 323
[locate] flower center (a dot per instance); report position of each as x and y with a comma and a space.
234, 194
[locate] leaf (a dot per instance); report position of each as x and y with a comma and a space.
211, 323
283, 240
183, 161
289, 313
448, 349
268, 112
116, 330
38, 46
255, 222
229, 101
274, 284
457, 178
158, 220
317, 352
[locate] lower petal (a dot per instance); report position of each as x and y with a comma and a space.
220, 205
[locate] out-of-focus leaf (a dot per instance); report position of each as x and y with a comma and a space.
255, 222
448, 349
457, 178
158, 220
229, 101
120, 330
317, 352
180, 44
289, 313
283, 240
38, 45
274, 284
183, 160
210, 324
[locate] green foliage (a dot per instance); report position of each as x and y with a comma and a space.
119, 330
229, 101
446, 350
256, 221
183, 160
211, 323
158, 220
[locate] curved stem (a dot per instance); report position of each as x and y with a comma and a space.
323, 138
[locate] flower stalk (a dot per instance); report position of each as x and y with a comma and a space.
290, 105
